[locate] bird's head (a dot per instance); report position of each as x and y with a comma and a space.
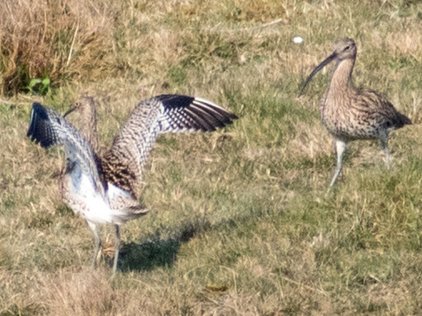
86, 104
343, 49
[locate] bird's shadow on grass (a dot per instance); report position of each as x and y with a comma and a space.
156, 251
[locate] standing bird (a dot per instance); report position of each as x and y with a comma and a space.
350, 113
104, 190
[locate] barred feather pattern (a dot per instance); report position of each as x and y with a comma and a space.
121, 166
350, 113
104, 190
124, 162
49, 129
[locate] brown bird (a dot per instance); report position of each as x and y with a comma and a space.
350, 113
104, 190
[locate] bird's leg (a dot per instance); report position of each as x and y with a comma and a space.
384, 146
97, 240
340, 149
117, 248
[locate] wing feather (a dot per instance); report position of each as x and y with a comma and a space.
50, 129
124, 162
381, 108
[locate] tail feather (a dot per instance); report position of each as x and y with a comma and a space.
130, 213
404, 120
400, 120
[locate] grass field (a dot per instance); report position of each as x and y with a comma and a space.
240, 222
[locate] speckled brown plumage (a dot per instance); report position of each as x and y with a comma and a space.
350, 113
103, 189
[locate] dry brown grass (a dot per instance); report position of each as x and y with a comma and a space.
241, 222
58, 40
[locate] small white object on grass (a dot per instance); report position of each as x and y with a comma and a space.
297, 40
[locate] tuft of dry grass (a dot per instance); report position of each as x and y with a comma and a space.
56, 40
80, 293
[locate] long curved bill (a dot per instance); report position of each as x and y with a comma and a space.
69, 111
324, 63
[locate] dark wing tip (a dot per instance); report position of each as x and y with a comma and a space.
195, 114
215, 116
175, 100
39, 130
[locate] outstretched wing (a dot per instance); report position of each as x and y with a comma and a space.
185, 113
124, 161
49, 129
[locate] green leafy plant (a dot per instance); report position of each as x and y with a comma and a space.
39, 86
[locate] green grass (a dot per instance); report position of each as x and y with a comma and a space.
240, 222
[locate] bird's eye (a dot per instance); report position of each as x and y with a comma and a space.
347, 47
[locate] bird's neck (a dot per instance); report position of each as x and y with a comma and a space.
89, 125
342, 76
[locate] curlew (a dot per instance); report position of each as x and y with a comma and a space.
104, 190
350, 113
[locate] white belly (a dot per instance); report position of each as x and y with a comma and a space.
85, 200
